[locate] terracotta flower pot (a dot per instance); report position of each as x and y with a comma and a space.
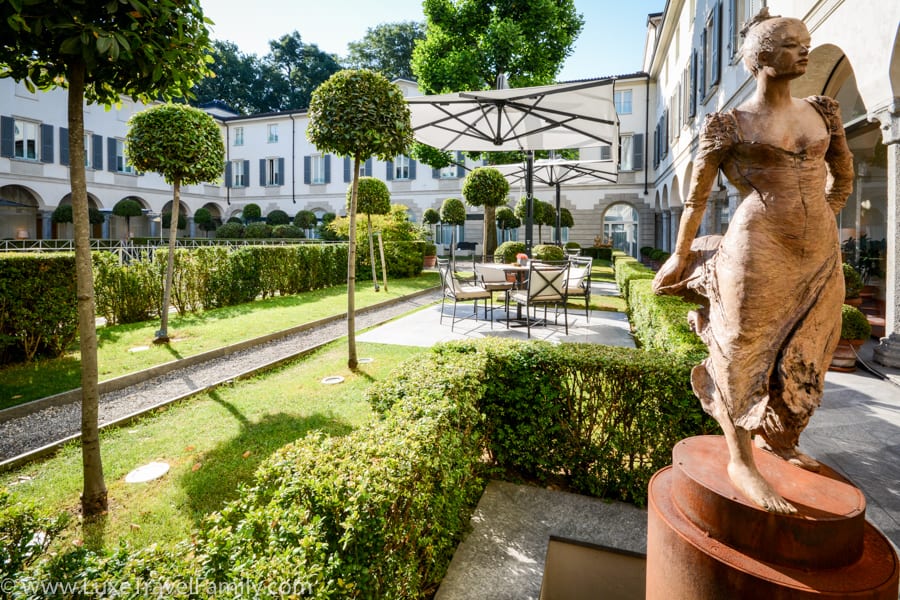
844, 358
430, 261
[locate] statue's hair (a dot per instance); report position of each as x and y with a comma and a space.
757, 39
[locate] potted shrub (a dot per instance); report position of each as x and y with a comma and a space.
853, 284
573, 248
548, 252
855, 330
430, 255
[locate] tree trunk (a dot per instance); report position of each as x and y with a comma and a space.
351, 271
490, 233
372, 251
93, 497
162, 336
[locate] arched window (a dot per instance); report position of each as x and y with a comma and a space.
620, 226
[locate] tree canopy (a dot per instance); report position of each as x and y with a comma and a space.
302, 67
386, 49
453, 212
305, 219
278, 217
468, 43
431, 217
374, 198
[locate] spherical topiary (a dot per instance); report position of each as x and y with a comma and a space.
431, 217
278, 217
854, 324
453, 212
506, 252
573, 246
258, 230
853, 283
230, 230
287, 231
548, 252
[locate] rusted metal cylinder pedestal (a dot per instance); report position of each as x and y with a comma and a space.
705, 541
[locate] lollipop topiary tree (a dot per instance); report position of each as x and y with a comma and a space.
373, 199
486, 187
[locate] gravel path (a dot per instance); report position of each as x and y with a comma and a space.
34, 431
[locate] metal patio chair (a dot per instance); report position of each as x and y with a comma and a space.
461, 291
546, 285
578, 283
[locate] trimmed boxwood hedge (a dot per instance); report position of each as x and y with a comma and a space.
38, 305
378, 513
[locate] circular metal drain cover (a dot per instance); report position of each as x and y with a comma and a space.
332, 379
364, 361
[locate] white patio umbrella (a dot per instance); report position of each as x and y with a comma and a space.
549, 117
554, 172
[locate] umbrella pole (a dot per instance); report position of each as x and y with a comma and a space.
529, 201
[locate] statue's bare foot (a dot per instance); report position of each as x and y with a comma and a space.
791, 455
752, 484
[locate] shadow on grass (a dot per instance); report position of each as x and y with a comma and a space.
21, 383
234, 461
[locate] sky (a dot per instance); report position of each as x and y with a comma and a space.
611, 42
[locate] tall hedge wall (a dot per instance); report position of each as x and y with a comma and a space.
38, 305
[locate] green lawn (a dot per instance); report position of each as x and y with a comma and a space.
213, 442
128, 348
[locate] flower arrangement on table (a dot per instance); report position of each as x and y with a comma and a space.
522, 258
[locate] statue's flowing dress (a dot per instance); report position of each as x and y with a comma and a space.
771, 287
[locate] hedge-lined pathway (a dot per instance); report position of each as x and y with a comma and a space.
26, 437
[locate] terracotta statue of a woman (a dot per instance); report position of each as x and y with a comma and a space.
771, 288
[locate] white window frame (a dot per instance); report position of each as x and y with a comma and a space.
273, 176
238, 136
238, 176
26, 139
401, 167
88, 149
317, 169
272, 133
623, 101
744, 10
122, 164
449, 172
626, 152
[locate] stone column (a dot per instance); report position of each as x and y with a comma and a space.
887, 352
674, 227
47, 223
666, 222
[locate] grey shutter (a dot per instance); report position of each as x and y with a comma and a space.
412, 169
280, 172
692, 103
63, 146
347, 169
97, 147
228, 174
460, 168
307, 163
46, 143
389, 170
111, 154
6, 136
435, 173
367, 169
327, 168
637, 144
716, 66
246, 182
701, 67
732, 24
262, 172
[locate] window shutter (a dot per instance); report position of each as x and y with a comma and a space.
637, 142
435, 173
6, 136
46, 143
262, 172
327, 168
111, 154
701, 67
367, 169
716, 66
389, 170
347, 177
228, 174
63, 146
460, 168
307, 161
412, 169
97, 146
692, 103
732, 26
280, 172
